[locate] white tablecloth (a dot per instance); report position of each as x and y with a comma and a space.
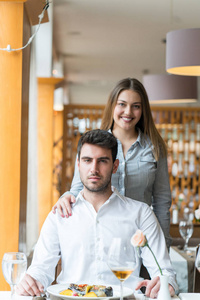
189, 296
184, 267
7, 296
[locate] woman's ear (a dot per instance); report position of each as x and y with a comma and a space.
115, 166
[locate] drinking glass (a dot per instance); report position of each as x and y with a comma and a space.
186, 231
122, 260
197, 260
14, 266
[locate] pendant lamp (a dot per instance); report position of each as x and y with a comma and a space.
166, 89
183, 52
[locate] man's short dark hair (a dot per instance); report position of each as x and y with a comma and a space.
101, 138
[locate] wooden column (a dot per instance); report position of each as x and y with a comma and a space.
57, 154
11, 77
16, 19
46, 88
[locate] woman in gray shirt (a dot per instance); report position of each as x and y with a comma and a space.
142, 173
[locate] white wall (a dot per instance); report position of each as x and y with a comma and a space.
40, 66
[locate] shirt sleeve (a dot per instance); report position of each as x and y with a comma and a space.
76, 185
148, 223
46, 253
161, 200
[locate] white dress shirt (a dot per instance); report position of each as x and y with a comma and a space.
83, 240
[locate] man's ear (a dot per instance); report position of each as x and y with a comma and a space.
115, 166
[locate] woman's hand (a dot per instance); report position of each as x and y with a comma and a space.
63, 205
153, 287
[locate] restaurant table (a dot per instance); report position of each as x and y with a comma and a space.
183, 263
189, 296
7, 296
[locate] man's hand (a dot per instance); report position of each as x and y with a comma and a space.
28, 286
63, 205
153, 287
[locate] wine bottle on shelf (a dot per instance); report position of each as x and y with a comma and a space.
174, 214
181, 198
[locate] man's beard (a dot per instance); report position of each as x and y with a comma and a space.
98, 189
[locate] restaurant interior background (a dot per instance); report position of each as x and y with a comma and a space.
56, 88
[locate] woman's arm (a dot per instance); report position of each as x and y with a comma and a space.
161, 200
63, 205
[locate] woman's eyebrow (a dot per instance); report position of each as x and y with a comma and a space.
137, 102
121, 100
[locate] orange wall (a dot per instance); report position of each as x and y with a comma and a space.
11, 32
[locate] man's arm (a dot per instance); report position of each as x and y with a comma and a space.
153, 287
41, 273
149, 225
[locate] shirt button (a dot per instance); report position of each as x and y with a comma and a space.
100, 276
98, 239
97, 221
98, 258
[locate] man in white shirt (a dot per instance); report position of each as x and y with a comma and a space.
99, 214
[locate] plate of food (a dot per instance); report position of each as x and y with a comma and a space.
87, 291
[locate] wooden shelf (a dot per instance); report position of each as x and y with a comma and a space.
174, 231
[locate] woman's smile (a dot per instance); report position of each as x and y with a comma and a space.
127, 119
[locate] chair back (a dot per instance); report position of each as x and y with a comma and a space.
57, 271
196, 287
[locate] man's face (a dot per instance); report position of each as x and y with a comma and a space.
96, 167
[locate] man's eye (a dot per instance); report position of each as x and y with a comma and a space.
103, 160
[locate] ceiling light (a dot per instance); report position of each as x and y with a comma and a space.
183, 52
58, 99
166, 89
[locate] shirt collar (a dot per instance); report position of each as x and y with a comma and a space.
117, 194
113, 195
79, 198
140, 139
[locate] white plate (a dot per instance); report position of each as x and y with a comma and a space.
57, 288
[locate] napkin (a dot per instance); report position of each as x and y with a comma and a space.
143, 297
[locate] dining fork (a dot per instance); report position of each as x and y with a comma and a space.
43, 296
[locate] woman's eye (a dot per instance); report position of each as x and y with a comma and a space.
136, 106
121, 104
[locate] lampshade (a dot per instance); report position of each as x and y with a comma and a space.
183, 52
165, 88
58, 99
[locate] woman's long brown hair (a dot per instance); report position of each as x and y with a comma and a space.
145, 124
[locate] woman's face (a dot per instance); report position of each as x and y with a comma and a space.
128, 110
